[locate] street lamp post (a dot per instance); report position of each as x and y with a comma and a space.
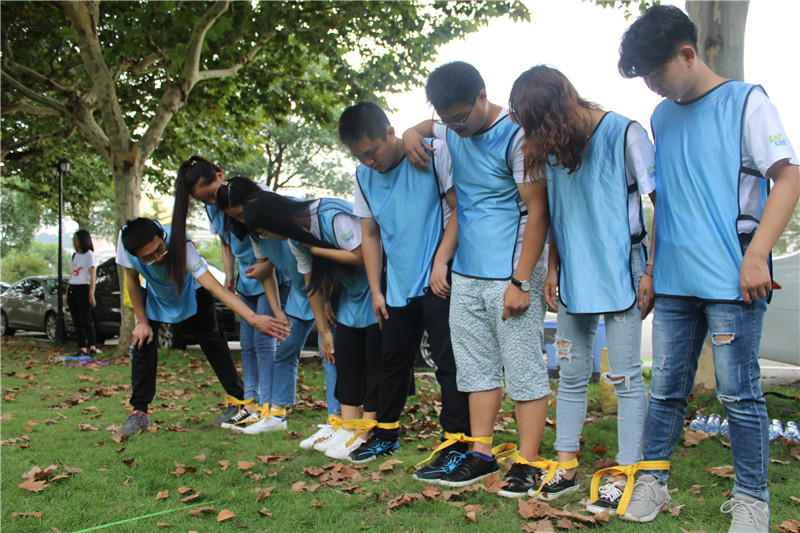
59, 169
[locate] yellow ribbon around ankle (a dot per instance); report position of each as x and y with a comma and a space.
630, 472
277, 411
550, 466
241, 403
362, 426
501, 451
452, 438
334, 421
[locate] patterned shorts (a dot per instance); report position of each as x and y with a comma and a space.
488, 349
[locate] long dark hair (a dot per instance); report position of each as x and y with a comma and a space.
283, 216
547, 106
84, 241
196, 170
234, 193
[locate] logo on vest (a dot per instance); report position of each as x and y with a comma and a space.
777, 140
348, 236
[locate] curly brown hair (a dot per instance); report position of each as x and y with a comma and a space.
547, 106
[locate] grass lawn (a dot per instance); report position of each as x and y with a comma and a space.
186, 475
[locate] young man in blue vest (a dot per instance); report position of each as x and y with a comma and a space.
142, 249
497, 307
405, 214
717, 143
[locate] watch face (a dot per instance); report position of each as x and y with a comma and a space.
525, 285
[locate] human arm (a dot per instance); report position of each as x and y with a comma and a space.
92, 281
446, 250
270, 284
347, 257
317, 301
534, 196
372, 253
265, 324
416, 146
228, 263
551, 281
646, 297
754, 275
142, 334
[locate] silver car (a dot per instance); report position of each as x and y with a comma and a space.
31, 304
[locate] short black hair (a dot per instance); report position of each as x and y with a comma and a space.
139, 232
363, 118
453, 83
84, 241
654, 39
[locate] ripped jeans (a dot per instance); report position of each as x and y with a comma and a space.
680, 326
574, 350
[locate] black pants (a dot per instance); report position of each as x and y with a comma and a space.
82, 315
400, 339
358, 357
203, 324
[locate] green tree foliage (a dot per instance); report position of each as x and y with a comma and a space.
34, 259
19, 219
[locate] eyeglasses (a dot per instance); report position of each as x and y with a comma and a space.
462, 120
160, 252
514, 116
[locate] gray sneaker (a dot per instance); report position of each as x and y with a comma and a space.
648, 499
748, 515
137, 422
226, 415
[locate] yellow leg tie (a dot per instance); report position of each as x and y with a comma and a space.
551, 467
506, 450
362, 426
241, 403
630, 472
449, 439
335, 421
277, 411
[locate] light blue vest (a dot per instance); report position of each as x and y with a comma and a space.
277, 251
355, 301
406, 204
163, 304
242, 250
589, 219
488, 213
698, 249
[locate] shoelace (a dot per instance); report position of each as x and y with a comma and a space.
556, 477
612, 491
453, 461
554, 469
629, 471
742, 512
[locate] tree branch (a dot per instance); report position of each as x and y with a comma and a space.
238, 63
19, 107
8, 151
33, 95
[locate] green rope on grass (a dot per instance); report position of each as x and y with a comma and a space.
95, 528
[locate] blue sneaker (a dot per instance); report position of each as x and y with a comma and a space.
448, 460
374, 447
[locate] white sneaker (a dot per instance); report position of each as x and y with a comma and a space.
748, 515
268, 423
342, 451
341, 436
324, 431
241, 420
648, 499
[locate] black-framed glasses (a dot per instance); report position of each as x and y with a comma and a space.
160, 252
462, 121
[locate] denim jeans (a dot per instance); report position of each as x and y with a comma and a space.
258, 353
679, 329
284, 376
574, 348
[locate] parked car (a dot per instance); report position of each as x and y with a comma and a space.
31, 304
4, 286
780, 339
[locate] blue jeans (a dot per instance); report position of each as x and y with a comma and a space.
284, 377
679, 329
574, 348
258, 353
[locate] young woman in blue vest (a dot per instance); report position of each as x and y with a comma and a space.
325, 238
198, 176
597, 165
272, 253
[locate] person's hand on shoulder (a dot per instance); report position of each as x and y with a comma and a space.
416, 148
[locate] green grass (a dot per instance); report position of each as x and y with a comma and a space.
47, 403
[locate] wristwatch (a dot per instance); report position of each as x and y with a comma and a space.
521, 285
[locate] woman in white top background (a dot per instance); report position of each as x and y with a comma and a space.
80, 295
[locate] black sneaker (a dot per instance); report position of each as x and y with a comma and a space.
136, 423
446, 461
557, 486
473, 468
520, 479
226, 415
374, 447
610, 495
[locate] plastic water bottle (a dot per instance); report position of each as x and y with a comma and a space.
713, 425
723, 428
699, 423
775, 430
792, 433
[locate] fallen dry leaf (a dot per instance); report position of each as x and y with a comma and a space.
32, 485
244, 465
565, 524
192, 497
224, 464
676, 510
471, 516
721, 471
184, 490
299, 486
795, 499
403, 500
790, 526
389, 465
130, 462
225, 515
162, 524
542, 526
163, 495
264, 494
264, 512
318, 505
432, 493
694, 490
596, 449
201, 457
692, 437
198, 511
32, 514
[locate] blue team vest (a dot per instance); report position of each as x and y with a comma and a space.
589, 218
277, 251
488, 213
162, 303
242, 250
406, 204
698, 166
355, 301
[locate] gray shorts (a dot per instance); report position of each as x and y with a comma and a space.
487, 349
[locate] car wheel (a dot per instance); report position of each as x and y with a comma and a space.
51, 326
6, 331
425, 358
166, 336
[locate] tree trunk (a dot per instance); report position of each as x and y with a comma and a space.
127, 193
720, 38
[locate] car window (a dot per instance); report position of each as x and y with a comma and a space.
27, 286
52, 288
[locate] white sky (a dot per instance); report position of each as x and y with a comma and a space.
581, 39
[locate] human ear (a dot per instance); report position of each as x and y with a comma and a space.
687, 54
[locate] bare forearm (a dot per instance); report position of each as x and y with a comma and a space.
135, 294
780, 205
228, 299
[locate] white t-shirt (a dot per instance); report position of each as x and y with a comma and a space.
195, 264
444, 175
347, 228
80, 266
639, 169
